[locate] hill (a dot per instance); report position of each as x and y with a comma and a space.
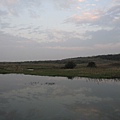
98, 59
107, 66
79, 60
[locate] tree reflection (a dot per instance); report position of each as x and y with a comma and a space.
102, 80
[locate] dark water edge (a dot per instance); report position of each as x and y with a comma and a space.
27, 97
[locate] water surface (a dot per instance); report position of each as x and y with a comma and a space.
26, 97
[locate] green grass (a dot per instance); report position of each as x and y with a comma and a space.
47, 69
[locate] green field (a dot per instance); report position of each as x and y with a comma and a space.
108, 66
53, 69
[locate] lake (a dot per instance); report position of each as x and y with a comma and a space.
27, 97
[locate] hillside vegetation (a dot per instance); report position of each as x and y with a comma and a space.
106, 66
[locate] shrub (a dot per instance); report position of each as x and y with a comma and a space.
91, 64
70, 65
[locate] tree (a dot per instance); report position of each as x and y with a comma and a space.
91, 64
70, 65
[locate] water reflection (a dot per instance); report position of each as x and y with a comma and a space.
102, 80
70, 77
37, 83
57, 98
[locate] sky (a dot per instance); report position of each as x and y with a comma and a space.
57, 29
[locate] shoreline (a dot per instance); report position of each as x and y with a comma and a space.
96, 73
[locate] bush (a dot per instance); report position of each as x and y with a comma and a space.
91, 64
70, 65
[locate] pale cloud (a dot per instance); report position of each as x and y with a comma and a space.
30, 27
10, 40
81, 0
3, 13
85, 17
68, 3
13, 5
109, 17
104, 36
91, 5
114, 11
65, 37
116, 0
70, 48
18, 2
78, 7
10, 6
8, 2
16, 7
4, 25
59, 36
108, 46
89, 41
100, 48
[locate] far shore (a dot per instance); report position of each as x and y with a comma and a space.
54, 69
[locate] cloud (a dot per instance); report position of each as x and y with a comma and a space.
95, 49
10, 40
15, 48
8, 2
3, 13
104, 36
109, 17
11, 3
4, 25
69, 48
59, 36
116, 0
66, 4
10, 6
94, 42
96, 29
108, 46
86, 17
81, 0
90, 41
33, 7
15, 7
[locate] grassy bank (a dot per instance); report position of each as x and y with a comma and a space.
52, 69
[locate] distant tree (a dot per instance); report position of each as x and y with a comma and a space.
70, 65
91, 64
